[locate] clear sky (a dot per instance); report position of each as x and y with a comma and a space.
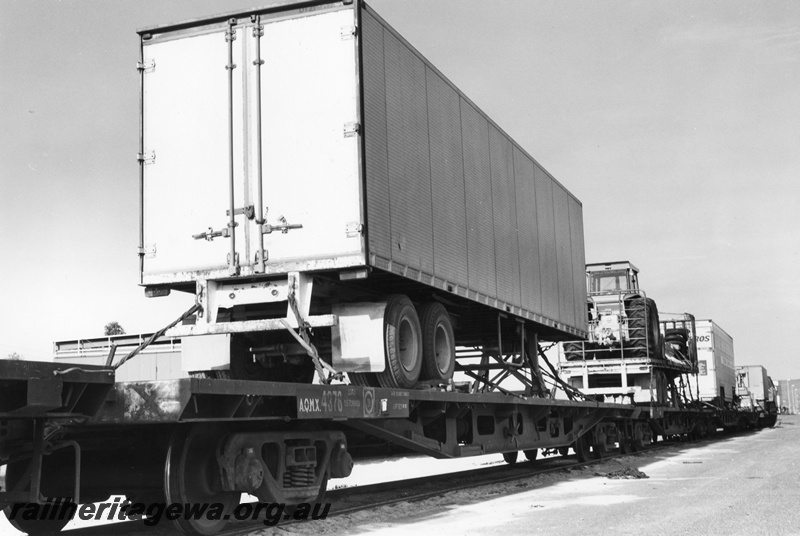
675, 122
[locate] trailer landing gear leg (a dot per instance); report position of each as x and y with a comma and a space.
192, 477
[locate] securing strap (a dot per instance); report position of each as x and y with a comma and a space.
157, 335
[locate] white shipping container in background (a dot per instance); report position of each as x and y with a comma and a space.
717, 371
753, 379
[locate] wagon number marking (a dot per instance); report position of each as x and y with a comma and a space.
328, 402
332, 401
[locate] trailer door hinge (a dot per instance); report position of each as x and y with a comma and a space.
351, 129
147, 158
146, 66
348, 32
354, 229
249, 211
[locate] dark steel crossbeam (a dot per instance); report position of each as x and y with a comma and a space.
40, 389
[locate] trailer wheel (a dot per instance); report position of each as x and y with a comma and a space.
510, 457
363, 379
438, 343
192, 476
402, 343
531, 454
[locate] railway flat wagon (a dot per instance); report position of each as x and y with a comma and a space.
355, 231
373, 259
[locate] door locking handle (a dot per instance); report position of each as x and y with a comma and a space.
211, 234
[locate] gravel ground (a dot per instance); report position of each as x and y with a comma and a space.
743, 484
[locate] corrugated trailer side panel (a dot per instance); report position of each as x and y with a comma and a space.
564, 254
578, 255
527, 231
504, 210
447, 165
724, 359
451, 196
376, 159
409, 157
480, 219
545, 219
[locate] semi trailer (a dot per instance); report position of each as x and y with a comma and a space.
716, 378
756, 391
328, 179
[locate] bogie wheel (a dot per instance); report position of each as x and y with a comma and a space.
599, 449
581, 448
772, 420
438, 343
510, 457
531, 454
637, 441
625, 442
402, 340
290, 509
17, 472
192, 476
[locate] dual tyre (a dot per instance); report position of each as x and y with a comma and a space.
419, 345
